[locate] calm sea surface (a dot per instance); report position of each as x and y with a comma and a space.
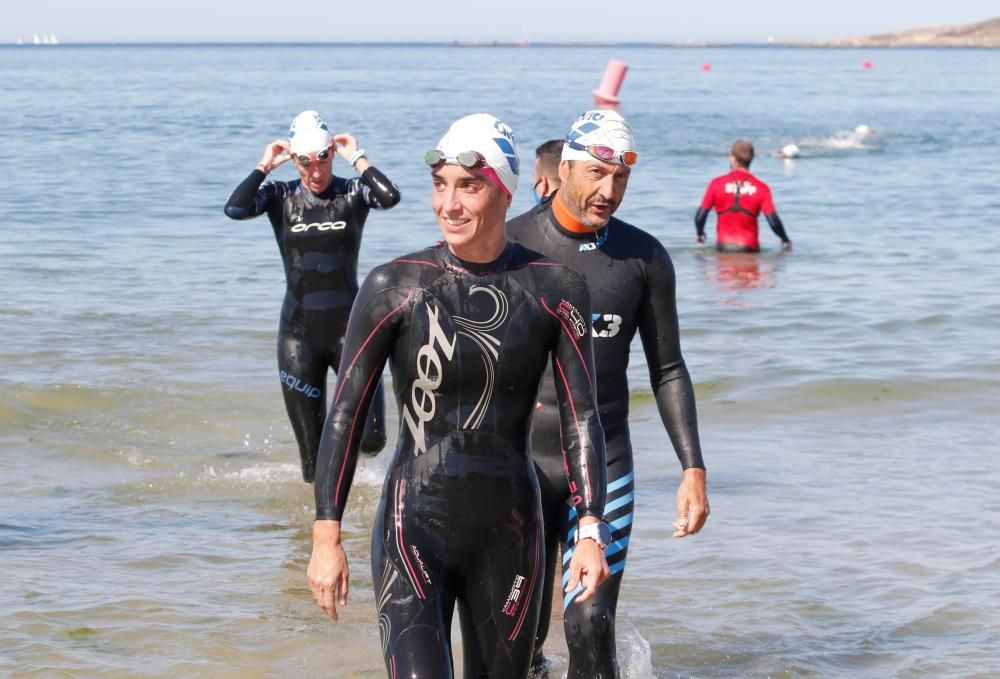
152, 520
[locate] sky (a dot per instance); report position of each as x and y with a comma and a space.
747, 21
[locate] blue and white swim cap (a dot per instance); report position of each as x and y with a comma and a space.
492, 139
600, 127
308, 133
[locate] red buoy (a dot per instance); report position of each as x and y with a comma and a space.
706, 67
868, 64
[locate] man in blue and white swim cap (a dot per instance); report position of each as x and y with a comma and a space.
631, 281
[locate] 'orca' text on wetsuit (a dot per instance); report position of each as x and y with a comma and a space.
459, 519
631, 281
319, 237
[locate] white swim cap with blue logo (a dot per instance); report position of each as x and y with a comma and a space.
600, 127
308, 133
492, 139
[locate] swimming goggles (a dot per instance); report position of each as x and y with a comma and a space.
606, 153
467, 159
306, 161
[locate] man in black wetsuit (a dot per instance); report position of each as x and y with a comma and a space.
631, 281
469, 326
317, 221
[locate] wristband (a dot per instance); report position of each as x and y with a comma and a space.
262, 168
356, 156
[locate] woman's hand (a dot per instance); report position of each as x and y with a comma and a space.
275, 154
328, 573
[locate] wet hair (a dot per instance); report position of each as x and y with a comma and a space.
547, 157
742, 152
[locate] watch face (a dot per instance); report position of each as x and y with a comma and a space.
604, 532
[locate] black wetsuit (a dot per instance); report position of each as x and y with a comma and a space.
631, 281
459, 520
318, 237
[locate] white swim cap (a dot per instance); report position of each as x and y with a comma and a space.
490, 138
602, 128
308, 133
790, 151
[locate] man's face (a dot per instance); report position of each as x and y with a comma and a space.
468, 206
318, 174
593, 189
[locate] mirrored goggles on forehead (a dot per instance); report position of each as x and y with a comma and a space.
606, 153
467, 159
306, 161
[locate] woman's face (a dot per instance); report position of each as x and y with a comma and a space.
470, 210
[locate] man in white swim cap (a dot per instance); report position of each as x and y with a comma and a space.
738, 197
632, 283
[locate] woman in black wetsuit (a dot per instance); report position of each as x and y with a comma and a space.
468, 326
317, 221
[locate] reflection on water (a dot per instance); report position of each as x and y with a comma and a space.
736, 272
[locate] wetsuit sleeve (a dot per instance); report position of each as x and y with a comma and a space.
250, 199
700, 217
774, 221
580, 426
668, 375
371, 331
379, 192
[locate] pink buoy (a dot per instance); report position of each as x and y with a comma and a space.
706, 67
614, 74
868, 64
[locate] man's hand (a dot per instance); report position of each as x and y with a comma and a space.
275, 154
588, 566
786, 245
328, 573
700, 238
692, 503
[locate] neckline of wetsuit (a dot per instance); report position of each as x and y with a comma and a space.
568, 224
329, 192
458, 265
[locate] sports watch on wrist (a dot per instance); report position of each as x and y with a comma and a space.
598, 532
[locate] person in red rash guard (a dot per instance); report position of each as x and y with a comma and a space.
738, 197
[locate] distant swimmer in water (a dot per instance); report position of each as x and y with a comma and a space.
632, 284
317, 221
738, 197
547, 157
469, 327
789, 152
